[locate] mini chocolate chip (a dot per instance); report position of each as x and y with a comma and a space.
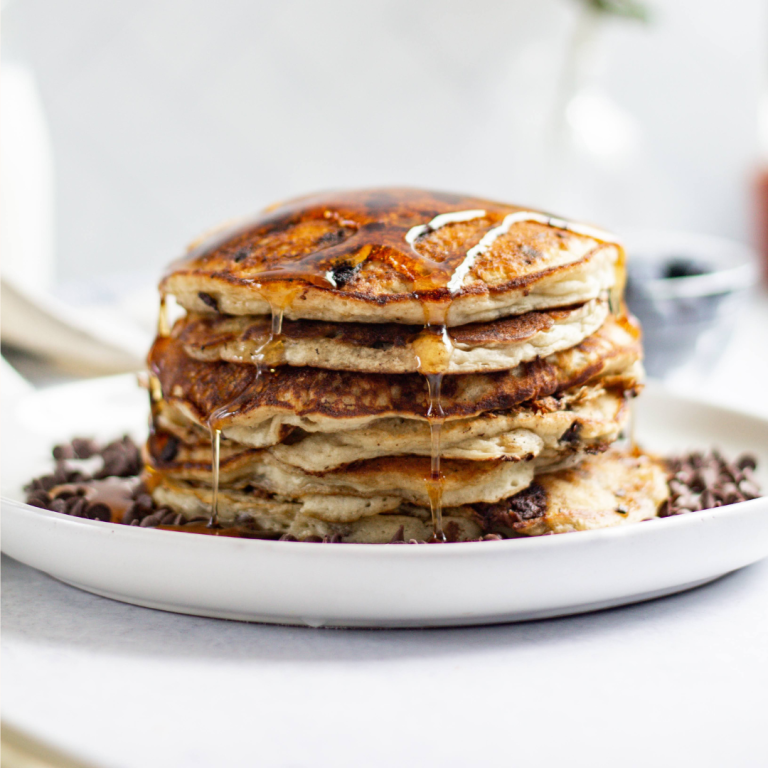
84, 447
133, 513
398, 537
208, 300
571, 435
99, 511
58, 505
746, 461
178, 520
170, 450
150, 521
63, 451
342, 274
169, 517
240, 255
39, 499
144, 503
78, 509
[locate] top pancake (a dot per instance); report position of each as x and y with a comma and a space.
370, 256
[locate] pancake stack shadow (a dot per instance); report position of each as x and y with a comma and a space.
399, 365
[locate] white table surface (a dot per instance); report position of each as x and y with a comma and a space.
680, 681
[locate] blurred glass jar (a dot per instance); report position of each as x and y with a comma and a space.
688, 291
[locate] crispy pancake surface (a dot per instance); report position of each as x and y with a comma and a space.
390, 347
371, 256
241, 397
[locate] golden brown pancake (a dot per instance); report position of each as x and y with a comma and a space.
240, 397
587, 418
604, 491
387, 347
614, 488
358, 257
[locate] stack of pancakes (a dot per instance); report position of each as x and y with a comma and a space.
399, 364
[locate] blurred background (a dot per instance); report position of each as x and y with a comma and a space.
129, 128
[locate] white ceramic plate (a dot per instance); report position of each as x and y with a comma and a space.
365, 585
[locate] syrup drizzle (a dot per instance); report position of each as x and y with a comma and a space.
163, 321
217, 420
213, 522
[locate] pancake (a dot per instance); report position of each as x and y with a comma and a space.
614, 488
269, 515
389, 477
255, 408
602, 492
390, 347
384, 256
587, 418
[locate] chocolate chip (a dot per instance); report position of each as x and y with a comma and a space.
79, 507
287, 537
746, 461
398, 537
151, 521
342, 274
39, 499
144, 503
58, 505
239, 256
170, 450
529, 504
571, 435
131, 515
168, 517
84, 447
99, 511
209, 301
63, 451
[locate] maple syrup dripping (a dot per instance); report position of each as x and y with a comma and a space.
163, 321
215, 462
436, 480
261, 358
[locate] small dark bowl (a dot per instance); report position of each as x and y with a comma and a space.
687, 290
